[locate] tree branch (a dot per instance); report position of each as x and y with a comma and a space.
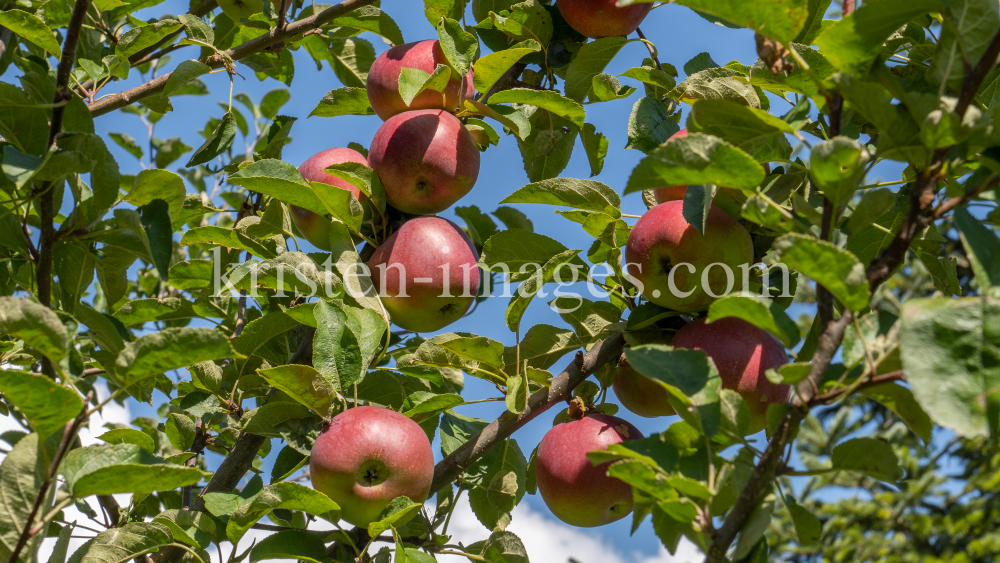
826, 398
562, 386
217, 60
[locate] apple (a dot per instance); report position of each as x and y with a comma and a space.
742, 353
314, 227
663, 243
383, 80
426, 274
602, 18
576, 491
640, 394
427, 160
369, 456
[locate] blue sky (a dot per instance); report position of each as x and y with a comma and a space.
679, 35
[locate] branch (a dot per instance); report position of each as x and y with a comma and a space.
954, 202
649, 46
827, 398
218, 60
562, 386
919, 215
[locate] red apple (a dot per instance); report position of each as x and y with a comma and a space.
383, 80
742, 353
369, 456
602, 18
427, 160
670, 193
428, 268
314, 227
640, 394
663, 243
576, 491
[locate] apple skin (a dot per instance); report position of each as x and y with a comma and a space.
369, 442
427, 160
601, 18
314, 227
421, 247
640, 394
576, 491
742, 353
662, 238
383, 80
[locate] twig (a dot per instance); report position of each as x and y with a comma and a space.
954, 202
837, 393
652, 50
219, 60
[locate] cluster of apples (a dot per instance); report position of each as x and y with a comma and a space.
427, 160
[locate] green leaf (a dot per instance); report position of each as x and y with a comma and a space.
546, 99
129, 436
217, 143
413, 81
30, 28
781, 20
336, 351
590, 61
568, 192
690, 377
21, 475
562, 267
743, 126
122, 468
588, 318
459, 46
124, 543
290, 544
422, 405
155, 217
47, 405
697, 203
596, 145
74, 264
541, 347
285, 495
759, 311
518, 250
144, 36
343, 101
836, 269
489, 68
128, 143
371, 18
955, 337
900, 400
180, 431
852, 43
649, 126
278, 179
196, 29
605, 87
305, 385
547, 149
168, 349
981, 246
501, 488
504, 547
871, 456
757, 523
968, 28
528, 20
478, 349
437, 9
652, 76
183, 74
400, 509
696, 159
718, 84
808, 528
506, 115
36, 324
837, 166
873, 204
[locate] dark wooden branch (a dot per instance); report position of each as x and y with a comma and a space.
251, 47
978, 74
954, 202
835, 394
500, 429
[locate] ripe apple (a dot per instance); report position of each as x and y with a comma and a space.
314, 227
383, 80
602, 18
742, 353
426, 159
640, 394
369, 456
428, 268
576, 491
663, 243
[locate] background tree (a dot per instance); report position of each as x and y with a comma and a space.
108, 279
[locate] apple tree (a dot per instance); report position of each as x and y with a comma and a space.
190, 283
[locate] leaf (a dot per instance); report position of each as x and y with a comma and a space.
171, 348
900, 400
280, 180
489, 68
596, 145
506, 115
696, 159
690, 377
808, 528
519, 253
871, 456
852, 43
422, 405
648, 125
546, 99
285, 495
155, 217
836, 269
541, 347
123, 544
144, 36
21, 475
343, 101
128, 143
30, 28
180, 430
547, 149
588, 318
743, 126
781, 20
759, 311
47, 405
981, 246
122, 468
968, 28
336, 351
718, 84
304, 384
400, 509
371, 18
754, 528
504, 547
413, 81
555, 269
459, 46
953, 336
217, 143
478, 349
290, 544
590, 61
129, 436
183, 74
838, 166
36, 324
696, 205
74, 264
578, 194
501, 488
437, 9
